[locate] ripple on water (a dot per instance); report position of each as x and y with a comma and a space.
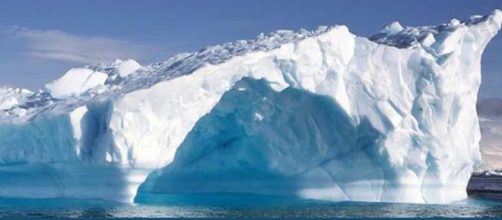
240, 206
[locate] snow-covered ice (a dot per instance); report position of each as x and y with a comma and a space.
322, 114
75, 82
12, 97
127, 67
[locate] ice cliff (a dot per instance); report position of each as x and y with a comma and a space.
322, 115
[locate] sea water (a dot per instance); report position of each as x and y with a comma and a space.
228, 205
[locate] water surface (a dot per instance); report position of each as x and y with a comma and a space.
240, 206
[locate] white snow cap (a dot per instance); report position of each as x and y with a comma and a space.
76, 82
126, 67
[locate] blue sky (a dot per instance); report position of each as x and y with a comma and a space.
42, 39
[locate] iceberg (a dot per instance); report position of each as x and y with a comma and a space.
318, 114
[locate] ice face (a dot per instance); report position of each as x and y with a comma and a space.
323, 115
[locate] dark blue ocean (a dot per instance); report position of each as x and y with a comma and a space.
240, 206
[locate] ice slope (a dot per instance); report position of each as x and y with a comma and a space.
322, 114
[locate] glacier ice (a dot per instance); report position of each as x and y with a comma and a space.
322, 115
11, 97
127, 67
75, 82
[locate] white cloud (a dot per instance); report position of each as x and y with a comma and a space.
59, 45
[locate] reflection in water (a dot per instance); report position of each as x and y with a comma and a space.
214, 206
